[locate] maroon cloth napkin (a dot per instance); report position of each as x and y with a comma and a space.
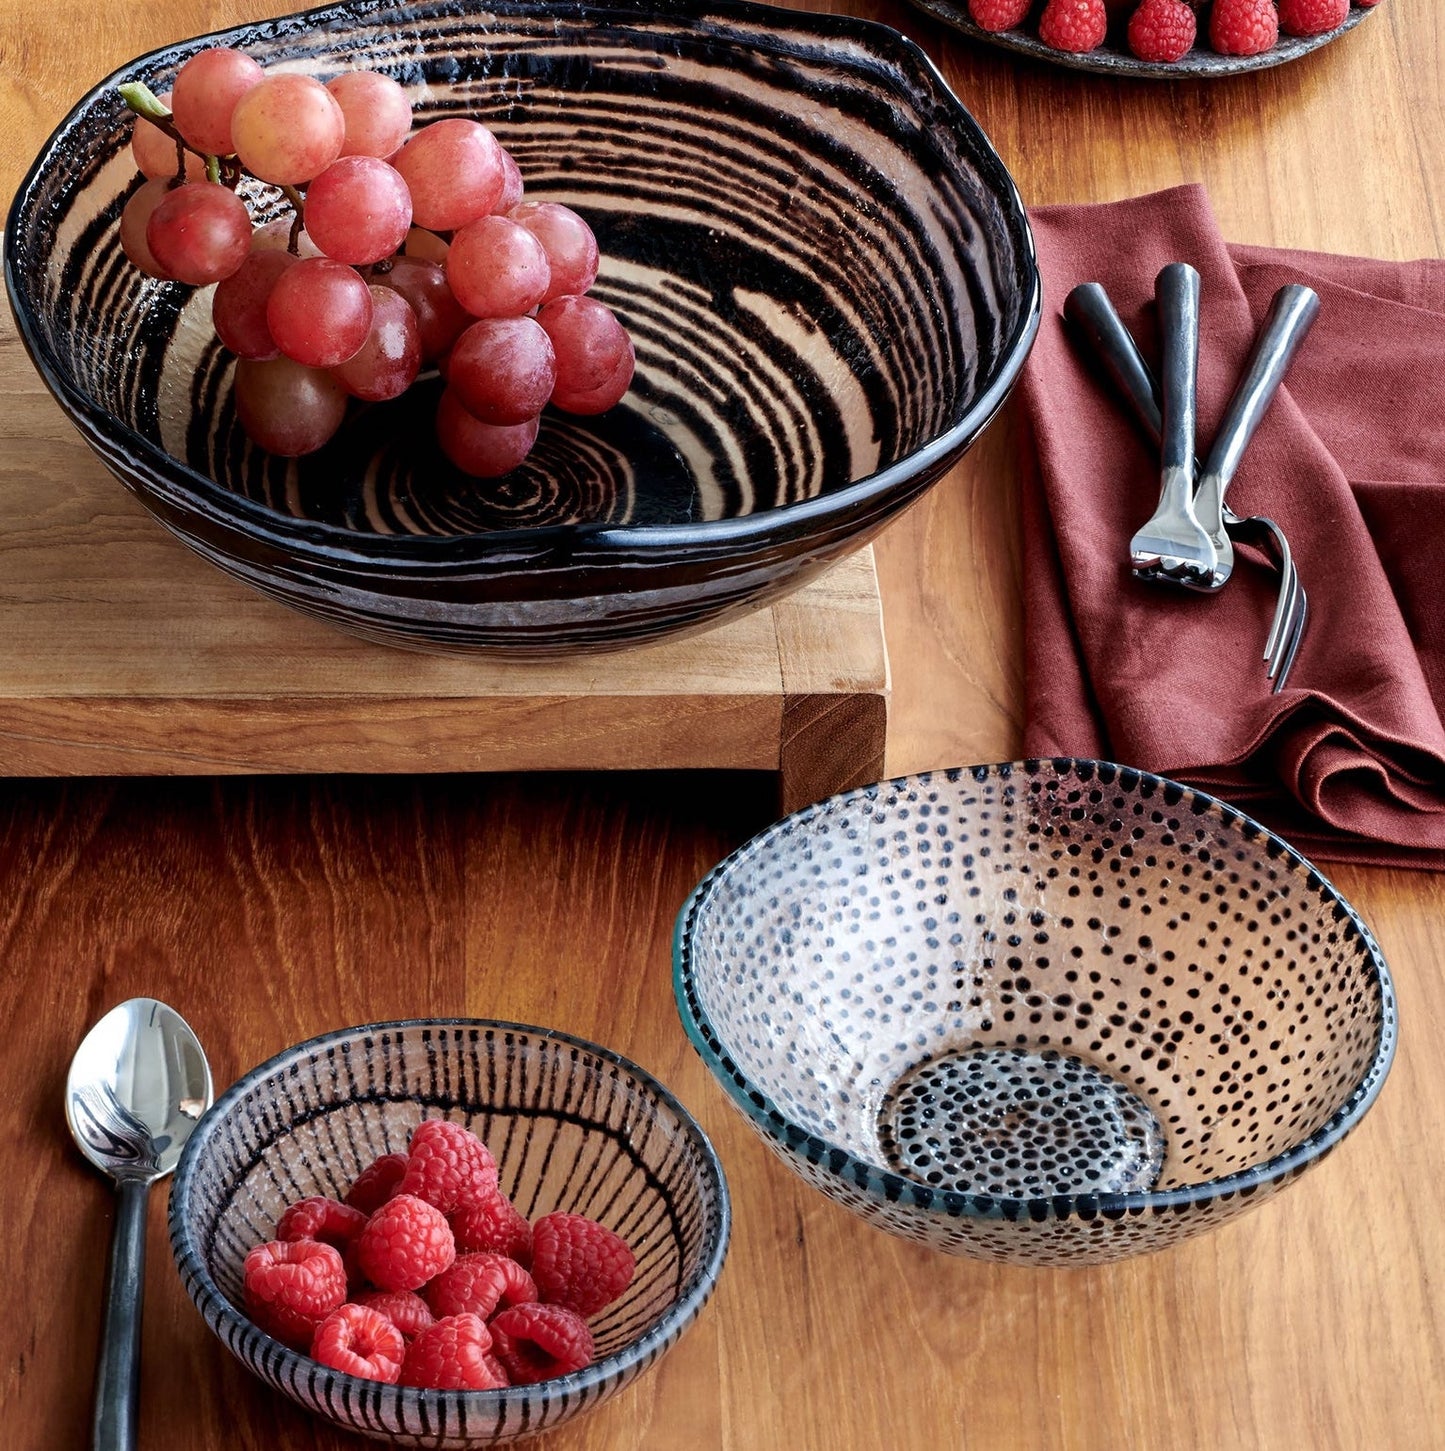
1348, 762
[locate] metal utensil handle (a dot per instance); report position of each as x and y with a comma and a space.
1291, 315
117, 1376
1176, 293
1094, 317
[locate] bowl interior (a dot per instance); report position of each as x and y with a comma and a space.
821, 262
571, 1128
1028, 982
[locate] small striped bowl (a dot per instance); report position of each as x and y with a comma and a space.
573, 1127
825, 267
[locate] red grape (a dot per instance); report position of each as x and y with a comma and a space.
605, 395
133, 222
238, 309
275, 236
319, 312
571, 247
377, 112
199, 232
390, 358
588, 340
155, 152
503, 369
287, 129
287, 408
358, 210
439, 316
497, 268
206, 91
485, 450
454, 171
511, 192
426, 245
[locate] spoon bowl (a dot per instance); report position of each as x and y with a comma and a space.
137, 1085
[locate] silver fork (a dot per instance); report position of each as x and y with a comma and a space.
1173, 546
1098, 325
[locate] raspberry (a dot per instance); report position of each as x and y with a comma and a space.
448, 1166
289, 1289
404, 1308
493, 1224
404, 1244
321, 1219
579, 1263
479, 1284
453, 1355
376, 1183
1073, 25
1243, 27
1162, 30
361, 1342
536, 1342
997, 15
1312, 17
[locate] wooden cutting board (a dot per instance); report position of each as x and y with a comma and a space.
122, 653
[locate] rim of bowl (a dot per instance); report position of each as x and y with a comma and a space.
887, 1187
575, 542
208, 1297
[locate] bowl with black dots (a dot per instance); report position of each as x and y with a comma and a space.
1047, 1012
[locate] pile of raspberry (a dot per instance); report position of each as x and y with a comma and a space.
427, 1275
1164, 31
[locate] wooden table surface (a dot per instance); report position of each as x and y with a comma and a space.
273, 909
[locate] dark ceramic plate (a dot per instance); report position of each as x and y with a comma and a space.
825, 267
1112, 60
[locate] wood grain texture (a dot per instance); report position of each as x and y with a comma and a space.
270, 909
122, 653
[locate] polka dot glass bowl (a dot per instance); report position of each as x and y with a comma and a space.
573, 1127
1054, 1012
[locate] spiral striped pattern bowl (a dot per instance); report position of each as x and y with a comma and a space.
826, 270
573, 1127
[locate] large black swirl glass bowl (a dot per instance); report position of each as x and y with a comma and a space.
825, 268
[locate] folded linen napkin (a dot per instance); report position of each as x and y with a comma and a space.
1348, 762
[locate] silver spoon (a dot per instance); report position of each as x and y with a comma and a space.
137, 1086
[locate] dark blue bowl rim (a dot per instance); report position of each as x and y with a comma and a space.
886, 1188
208, 1297
573, 542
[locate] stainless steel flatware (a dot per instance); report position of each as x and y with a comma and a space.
1099, 327
137, 1085
1173, 545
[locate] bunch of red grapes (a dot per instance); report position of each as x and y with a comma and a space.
403, 251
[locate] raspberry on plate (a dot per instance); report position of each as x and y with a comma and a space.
405, 1243
493, 1224
321, 1219
1312, 17
996, 15
289, 1288
376, 1183
361, 1342
1162, 30
536, 1342
447, 1165
404, 1308
1243, 27
579, 1263
1074, 25
480, 1284
453, 1355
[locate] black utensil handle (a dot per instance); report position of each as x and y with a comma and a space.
1290, 316
117, 1375
1176, 293
1097, 323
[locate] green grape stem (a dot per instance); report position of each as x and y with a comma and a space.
139, 97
